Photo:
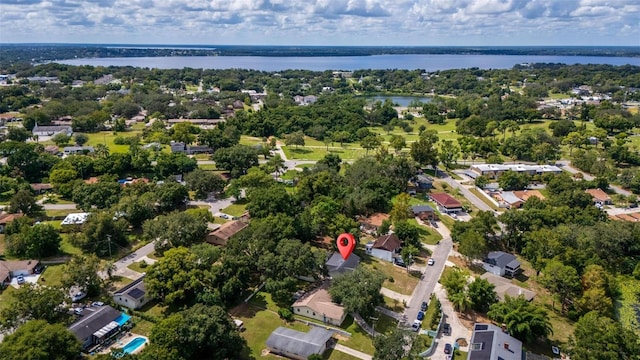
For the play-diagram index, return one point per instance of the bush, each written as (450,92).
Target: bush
(285,314)
(391,279)
(143,264)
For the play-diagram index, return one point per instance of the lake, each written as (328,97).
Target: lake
(430,62)
(402,101)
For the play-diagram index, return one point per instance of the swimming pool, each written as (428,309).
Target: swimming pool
(133,345)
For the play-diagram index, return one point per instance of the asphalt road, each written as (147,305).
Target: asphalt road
(429,279)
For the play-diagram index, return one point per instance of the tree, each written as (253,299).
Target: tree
(408,253)
(511,180)
(358,291)
(398,142)
(599,337)
(24,202)
(562,280)
(175,229)
(18,134)
(62,180)
(275,165)
(424,151)
(34,242)
(401,210)
(454,280)
(168,164)
(460,301)
(574,139)
(331,161)
(408,233)
(449,153)
(104,233)
(390,346)
(102,195)
(177,278)
(184,132)
(37,340)
(80,139)
(61,139)
(82,272)
(204,183)
(136,209)
(524,320)
(270,201)
(32,302)
(472,245)
(296,138)
(200,332)
(236,159)
(482,294)
(370,142)
(171,196)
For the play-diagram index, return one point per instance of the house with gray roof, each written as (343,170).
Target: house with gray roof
(490,342)
(424,212)
(133,295)
(77,150)
(51,130)
(501,263)
(336,265)
(97,324)
(299,345)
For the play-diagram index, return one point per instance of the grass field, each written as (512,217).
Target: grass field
(61,212)
(137,267)
(52,275)
(236,209)
(403,282)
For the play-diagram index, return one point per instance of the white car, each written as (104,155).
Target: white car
(416,325)
(431,262)
(78,296)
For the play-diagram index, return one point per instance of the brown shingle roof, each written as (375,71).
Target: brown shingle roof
(387,242)
(7,218)
(226,231)
(41,186)
(598,194)
(527,194)
(445,200)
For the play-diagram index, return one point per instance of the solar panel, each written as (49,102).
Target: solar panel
(136,293)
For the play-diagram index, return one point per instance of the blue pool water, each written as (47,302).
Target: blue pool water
(133,345)
(122,319)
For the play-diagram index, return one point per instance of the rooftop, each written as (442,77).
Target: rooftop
(489,342)
(135,289)
(445,200)
(7,218)
(291,341)
(598,194)
(336,264)
(517,167)
(228,229)
(92,320)
(319,300)
(75,219)
(505,287)
(388,242)
(421,208)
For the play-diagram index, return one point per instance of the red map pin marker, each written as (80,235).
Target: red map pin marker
(346,243)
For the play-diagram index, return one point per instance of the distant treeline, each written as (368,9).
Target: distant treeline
(46,52)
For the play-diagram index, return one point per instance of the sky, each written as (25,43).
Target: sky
(323,22)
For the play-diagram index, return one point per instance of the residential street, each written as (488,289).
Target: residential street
(566,166)
(430,277)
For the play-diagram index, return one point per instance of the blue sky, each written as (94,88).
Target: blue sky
(323,22)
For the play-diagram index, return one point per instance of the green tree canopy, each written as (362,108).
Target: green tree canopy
(175,229)
(524,320)
(358,291)
(37,340)
(32,302)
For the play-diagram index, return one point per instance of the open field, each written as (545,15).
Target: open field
(403,282)
(236,209)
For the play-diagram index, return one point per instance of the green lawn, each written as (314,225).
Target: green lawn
(385,324)
(332,354)
(403,282)
(52,275)
(107,138)
(393,304)
(250,140)
(66,247)
(2,244)
(4,296)
(236,209)
(359,339)
(484,199)
(137,267)
(317,153)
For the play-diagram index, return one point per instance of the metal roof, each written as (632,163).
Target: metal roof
(289,341)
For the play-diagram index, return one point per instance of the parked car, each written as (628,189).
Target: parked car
(416,325)
(78,296)
(446,329)
(420,315)
(431,262)
(448,348)
(97,303)
(424,305)
(454,216)
(399,262)
(20,279)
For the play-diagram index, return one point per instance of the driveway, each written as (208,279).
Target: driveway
(457,329)
(121,265)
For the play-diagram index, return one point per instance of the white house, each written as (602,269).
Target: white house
(77,150)
(501,263)
(51,130)
(491,342)
(75,219)
(385,247)
(134,295)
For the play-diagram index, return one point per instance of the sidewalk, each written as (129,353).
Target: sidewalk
(352,352)
(395,295)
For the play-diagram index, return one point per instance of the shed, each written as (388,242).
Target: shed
(299,345)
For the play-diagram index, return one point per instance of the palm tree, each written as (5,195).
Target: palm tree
(460,301)
(102,150)
(522,319)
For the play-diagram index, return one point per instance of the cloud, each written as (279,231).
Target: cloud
(326,22)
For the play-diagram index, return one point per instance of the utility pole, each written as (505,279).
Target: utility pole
(109,240)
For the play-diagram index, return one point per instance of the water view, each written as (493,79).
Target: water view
(321,63)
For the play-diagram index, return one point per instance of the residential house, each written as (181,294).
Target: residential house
(41,188)
(13,268)
(446,203)
(599,196)
(298,345)
(336,265)
(424,212)
(133,295)
(490,342)
(508,199)
(6,219)
(631,217)
(423,182)
(77,150)
(504,287)
(52,149)
(501,263)
(51,130)
(75,219)
(317,304)
(221,235)
(98,324)
(180,147)
(385,247)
